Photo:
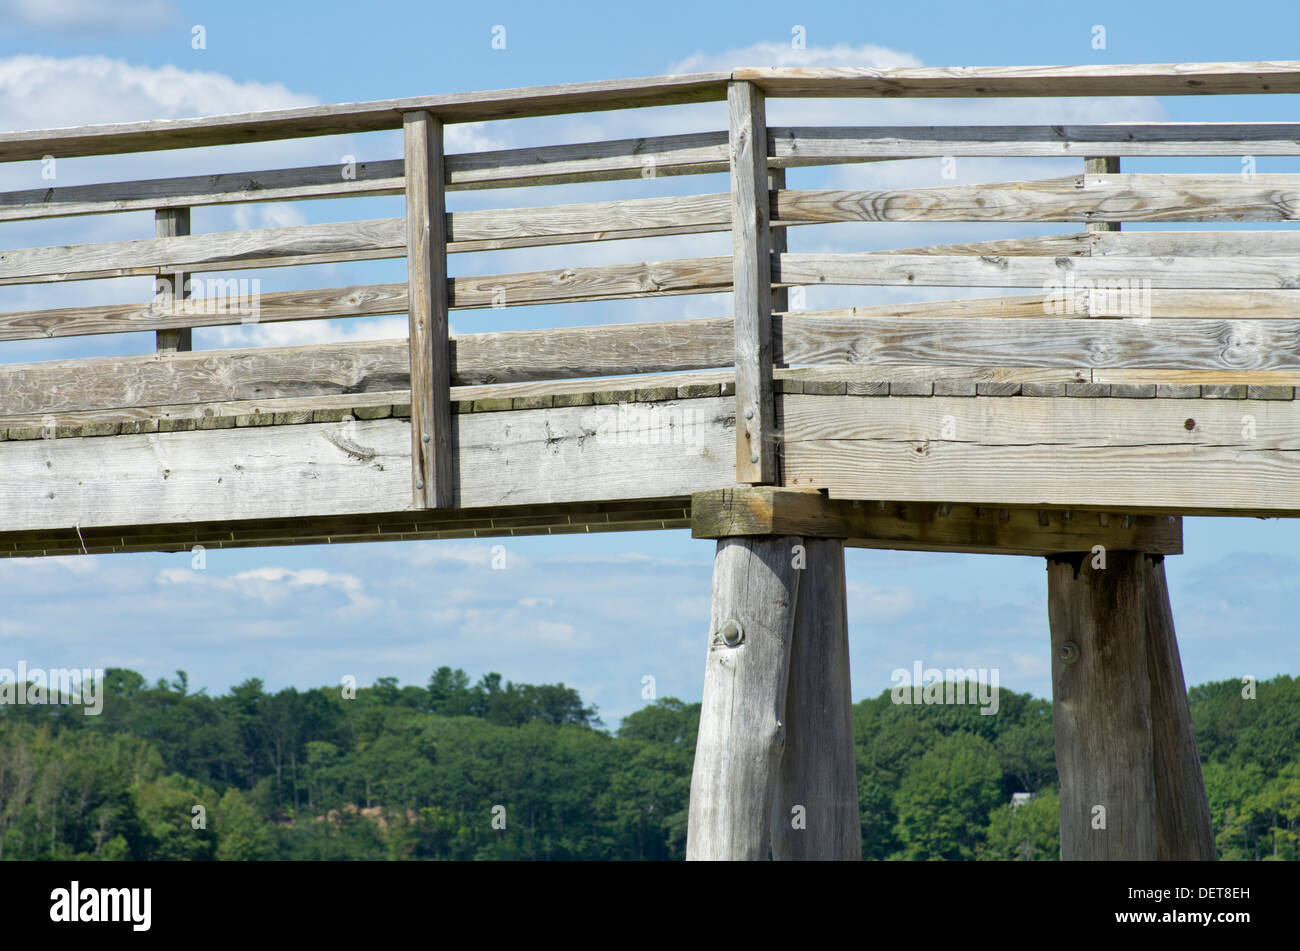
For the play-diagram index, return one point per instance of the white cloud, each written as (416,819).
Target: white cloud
(42,92)
(272,584)
(783,54)
(70,16)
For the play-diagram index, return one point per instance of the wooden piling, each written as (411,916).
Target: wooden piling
(1101,705)
(815,812)
(742,723)
(1184,831)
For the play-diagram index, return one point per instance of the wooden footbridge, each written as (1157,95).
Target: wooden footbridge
(1141,376)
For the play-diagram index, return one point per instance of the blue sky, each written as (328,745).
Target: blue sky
(599,612)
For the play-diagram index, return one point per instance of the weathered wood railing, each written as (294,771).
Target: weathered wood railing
(1152,374)
(1226,301)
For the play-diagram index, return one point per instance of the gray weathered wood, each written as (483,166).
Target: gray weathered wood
(171,223)
(1118,454)
(1089,197)
(1101,707)
(742,720)
(1157,79)
(363,301)
(426,276)
(344,118)
(468,231)
(815,812)
(693,153)
(267,247)
(780,295)
(1093,168)
(752,286)
(1184,831)
(917,526)
(865,143)
(1247,273)
(525,457)
(1198,344)
(281,184)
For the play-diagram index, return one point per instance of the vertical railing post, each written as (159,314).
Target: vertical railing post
(751,238)
(173,223)
(426,281)
(1102,166)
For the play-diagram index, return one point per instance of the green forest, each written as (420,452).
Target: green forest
(486,770)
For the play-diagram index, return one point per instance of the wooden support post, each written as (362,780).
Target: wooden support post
(1124,738)
(742,723)
(1184,831)
(172,223)
(1102,166)
(1101,705)
(751,239)
(426,268)
(815,811)
(780,295)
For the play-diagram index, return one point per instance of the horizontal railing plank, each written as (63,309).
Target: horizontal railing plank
(378,299)
(362,301)
(1248,273)
(1159,79)
(345,118)
(866,143)
(1176,344)
(1174,456)
(269,373)
(660,156)
(288,184)
(554,455)
(853,339)
(226,250)
(1076,198)
(386,237)
(711,275)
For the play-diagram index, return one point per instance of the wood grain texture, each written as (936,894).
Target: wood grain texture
(742,721)
(283,184)
(1247,273)
(1089,197)
(756,450)
(669,155)
(343,118)
(1095,169)
(432,479)
(204,376)
(815,813)
(1200,344)
(468,231)
(577,454)
(863,143)
(1121,454)
(1160,79)
(363,301)
(1101,707)
(914,526)
(711,275)
(170,223)
(1184,831)
(265,247)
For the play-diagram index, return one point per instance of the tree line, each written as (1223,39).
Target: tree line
(486,770)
